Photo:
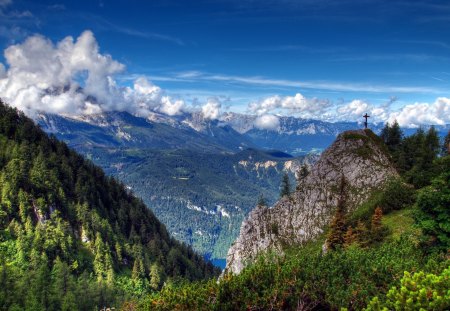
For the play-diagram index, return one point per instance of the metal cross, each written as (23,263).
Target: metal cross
(365,116)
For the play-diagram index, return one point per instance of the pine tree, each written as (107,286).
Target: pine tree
(376,229)
(138,269)
(103,265)
(262,201)
(431,146)
(285,186)
(338,225)
(302,173)
(446,145)
(156,276)
(361,234)
(350,237)
(392,135)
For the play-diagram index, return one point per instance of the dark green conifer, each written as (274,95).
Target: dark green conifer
(285,186)
(446,145)
(338,226)
(262,201)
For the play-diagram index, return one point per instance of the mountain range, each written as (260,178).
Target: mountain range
(179,165)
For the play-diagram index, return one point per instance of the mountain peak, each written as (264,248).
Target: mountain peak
(358,156)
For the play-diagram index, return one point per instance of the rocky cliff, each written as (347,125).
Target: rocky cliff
(359,156)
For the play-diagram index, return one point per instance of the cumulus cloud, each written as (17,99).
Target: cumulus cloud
(297,104)
(414,115)
(267,122)
(39,72)
(73,77)
(145,97)
(355,109)
(211,109)
(2,71)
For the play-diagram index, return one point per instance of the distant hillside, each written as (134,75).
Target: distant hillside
(200,183)
(201,197)
(62,217)
(179,164)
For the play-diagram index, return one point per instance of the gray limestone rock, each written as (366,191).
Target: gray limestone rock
(357,155)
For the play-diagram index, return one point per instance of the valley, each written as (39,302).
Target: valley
(200,177)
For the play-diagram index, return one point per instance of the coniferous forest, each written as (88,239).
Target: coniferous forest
(72,238)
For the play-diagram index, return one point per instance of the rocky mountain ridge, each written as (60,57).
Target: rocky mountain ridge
(358,156)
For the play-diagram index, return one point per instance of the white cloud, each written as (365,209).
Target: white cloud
(39,71)
(2,71)
(298,104)
(171,107)
(267,122)
(316,85)
(354,110)
(414,115)
(73,77)
(211,109)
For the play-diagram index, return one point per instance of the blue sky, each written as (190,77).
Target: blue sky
(384,54)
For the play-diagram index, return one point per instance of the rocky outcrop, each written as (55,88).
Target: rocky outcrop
(359,156)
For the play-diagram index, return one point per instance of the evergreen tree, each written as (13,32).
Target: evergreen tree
(361,234)
(350,237)
(431,146)
(392,136)
(302,173)
(156,276)
(376,229)
(338,225)
(446,145)
(262,201)
(285,186)
(103,264)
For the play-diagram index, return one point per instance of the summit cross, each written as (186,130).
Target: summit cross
(365,123)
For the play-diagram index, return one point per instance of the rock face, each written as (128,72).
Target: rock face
(358,155)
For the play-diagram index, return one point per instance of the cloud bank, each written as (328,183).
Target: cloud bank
(297,104)
(414,115)
(73,77)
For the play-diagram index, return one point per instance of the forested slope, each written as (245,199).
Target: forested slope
(67,230)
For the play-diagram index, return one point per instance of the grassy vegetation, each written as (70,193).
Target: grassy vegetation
(401,223)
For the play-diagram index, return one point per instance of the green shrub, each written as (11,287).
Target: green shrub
(433,215)
(418,291)
(396,195)
(303,276)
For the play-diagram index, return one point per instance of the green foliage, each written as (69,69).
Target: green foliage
(66,228)
(392,136)
(338,226)
(396,195)
(285,186)
(433,215)
(303,277)
(377,230)
(418,291)
(446,145)
(262,201)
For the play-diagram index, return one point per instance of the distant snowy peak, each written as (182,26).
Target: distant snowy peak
(241,123)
